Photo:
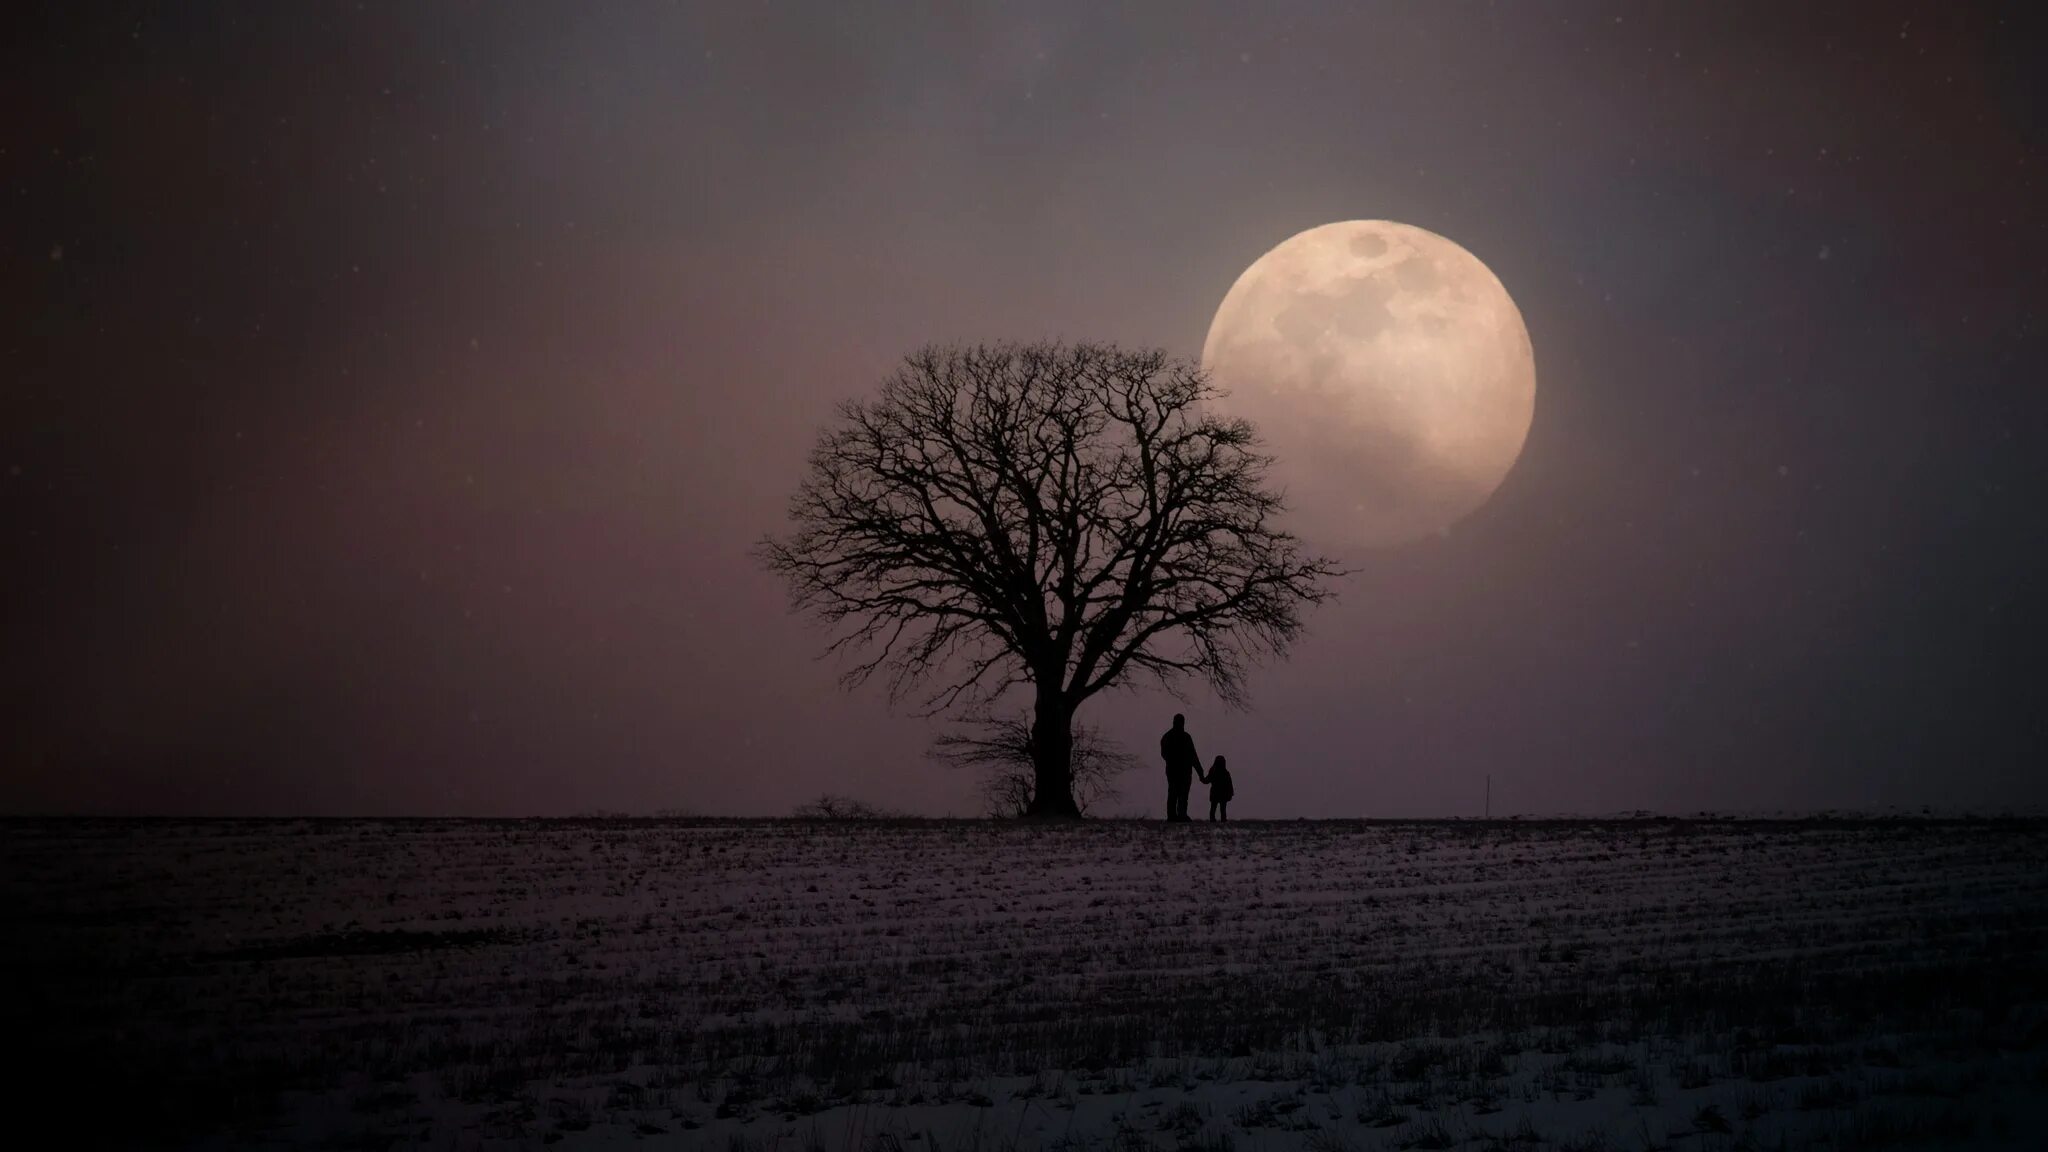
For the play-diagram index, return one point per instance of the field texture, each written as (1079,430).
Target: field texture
(943,985)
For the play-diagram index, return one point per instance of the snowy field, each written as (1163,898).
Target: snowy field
(959,985)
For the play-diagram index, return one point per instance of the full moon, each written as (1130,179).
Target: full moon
(1388,373)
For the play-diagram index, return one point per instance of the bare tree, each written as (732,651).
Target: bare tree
(1001,750)
(1053,517)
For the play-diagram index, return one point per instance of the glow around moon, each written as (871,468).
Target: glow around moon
(1387,370)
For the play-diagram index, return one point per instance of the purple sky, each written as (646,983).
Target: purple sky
(392,392)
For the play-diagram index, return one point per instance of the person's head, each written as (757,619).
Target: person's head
(1217,766)
(1179,721)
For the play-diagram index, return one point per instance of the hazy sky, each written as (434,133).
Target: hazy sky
(392,391)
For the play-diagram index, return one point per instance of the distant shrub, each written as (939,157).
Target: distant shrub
(831,807)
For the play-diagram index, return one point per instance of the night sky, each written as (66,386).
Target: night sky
(392,392)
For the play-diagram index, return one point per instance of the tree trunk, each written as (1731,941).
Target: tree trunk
(1052,753)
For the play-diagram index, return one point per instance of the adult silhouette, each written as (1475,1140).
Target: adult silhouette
(1177,748)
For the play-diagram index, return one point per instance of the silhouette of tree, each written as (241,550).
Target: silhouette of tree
(1053,517)
(1002,751)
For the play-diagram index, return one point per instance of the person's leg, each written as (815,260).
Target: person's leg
(1212,811)
(1225,806)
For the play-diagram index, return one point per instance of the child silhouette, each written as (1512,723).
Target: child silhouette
(1220,790)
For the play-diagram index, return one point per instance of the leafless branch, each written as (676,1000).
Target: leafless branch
(1001,750)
